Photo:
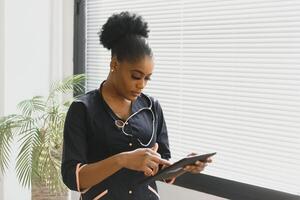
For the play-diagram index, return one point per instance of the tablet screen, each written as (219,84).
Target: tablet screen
(177,166)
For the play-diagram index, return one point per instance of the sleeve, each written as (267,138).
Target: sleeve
(74,156)
(162,138)
(162,133)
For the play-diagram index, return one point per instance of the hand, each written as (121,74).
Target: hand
(198,166)
(146,160)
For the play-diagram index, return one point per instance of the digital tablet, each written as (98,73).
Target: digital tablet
(176,167)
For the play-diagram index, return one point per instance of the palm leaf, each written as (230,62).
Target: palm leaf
(39,130)
(49,170)
(5,143)
(48,162)
(28,107)
(7,126)
(70,84)
(29,141)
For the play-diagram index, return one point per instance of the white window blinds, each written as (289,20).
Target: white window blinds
(227,74)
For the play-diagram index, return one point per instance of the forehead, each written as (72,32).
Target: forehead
(144,65)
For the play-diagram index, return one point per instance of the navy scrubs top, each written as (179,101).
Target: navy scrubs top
(91,135)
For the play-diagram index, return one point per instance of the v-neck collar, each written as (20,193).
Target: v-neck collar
(135,106)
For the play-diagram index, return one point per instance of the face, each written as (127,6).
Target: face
(131,78)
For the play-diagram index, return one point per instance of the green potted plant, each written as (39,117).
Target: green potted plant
(38,128)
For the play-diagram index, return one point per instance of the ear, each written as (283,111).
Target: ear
(113,64)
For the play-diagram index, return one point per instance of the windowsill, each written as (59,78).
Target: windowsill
(230,189)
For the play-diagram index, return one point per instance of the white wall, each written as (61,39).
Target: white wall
(37,49)
(26,68)
(2,56)
(1,73)
(167,191)
(68,28)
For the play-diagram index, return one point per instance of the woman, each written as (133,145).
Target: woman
(116,136)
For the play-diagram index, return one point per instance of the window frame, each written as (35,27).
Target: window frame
(200,182)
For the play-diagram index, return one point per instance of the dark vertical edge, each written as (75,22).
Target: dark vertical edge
(79,38)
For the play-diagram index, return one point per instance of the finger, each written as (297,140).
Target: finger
(155,147)
(199,163)
(164,166)
(193,169)
(161,161)
(154,171)
(191,154)
(187,168)
(208,160)
(147,171)
(155,158)
(154,167)
(152,152)
(197,169)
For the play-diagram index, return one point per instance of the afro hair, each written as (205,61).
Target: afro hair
(122,25)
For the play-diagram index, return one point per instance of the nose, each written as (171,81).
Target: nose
(141,84)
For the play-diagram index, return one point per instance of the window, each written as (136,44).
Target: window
(227,74)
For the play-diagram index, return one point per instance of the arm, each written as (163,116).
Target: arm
(143,159)
(77,174)
(91,174)
(163,140)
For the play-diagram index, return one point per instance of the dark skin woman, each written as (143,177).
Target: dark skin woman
(131,67)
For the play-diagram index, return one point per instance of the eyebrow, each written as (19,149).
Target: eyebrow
(136,70)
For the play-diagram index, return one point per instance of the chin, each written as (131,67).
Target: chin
(133,97)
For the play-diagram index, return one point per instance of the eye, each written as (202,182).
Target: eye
(136,77)
(148,78)
(140,76)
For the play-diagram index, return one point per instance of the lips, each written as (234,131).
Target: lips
(136,93)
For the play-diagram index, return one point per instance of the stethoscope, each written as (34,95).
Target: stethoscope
(121,124)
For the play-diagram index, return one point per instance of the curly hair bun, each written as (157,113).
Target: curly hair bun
(121,25)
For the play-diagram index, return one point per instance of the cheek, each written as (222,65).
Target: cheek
(132,85)
(127,83)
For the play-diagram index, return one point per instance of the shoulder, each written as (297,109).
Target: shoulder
(87,98)
(86,102)
(154,102)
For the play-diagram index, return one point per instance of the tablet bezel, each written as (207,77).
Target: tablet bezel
(175,167)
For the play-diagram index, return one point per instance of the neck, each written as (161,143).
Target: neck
(110,91)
